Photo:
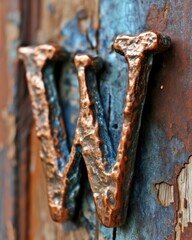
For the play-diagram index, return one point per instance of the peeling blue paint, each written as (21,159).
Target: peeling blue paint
(144,207)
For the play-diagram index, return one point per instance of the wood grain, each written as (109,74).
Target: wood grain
(9,32)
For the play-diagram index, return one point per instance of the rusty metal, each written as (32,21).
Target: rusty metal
(109,173)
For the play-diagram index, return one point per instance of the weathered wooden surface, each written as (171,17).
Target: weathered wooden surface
(160,206)
(165,137)
(9,41)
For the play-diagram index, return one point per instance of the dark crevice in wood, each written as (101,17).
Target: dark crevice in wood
(22,141)
(114,233)
(29,25)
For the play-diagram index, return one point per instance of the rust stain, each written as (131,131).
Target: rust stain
(170,238)
(187,233)
(110,178)
(157,18)
(175,77)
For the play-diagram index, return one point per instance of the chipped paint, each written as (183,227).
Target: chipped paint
(165,193)
(184,212)
(182,190)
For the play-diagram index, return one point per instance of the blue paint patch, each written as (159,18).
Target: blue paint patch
(74,40)
(122,18)
(150,168)
(51,8)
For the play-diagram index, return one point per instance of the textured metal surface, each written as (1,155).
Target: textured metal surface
(48,128)
(109,173)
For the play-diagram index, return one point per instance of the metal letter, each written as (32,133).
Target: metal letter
(109,173)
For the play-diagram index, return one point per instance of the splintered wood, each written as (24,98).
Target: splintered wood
(184,213)
(165,193)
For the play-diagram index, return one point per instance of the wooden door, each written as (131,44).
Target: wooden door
(161,195)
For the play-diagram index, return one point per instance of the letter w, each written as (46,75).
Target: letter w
(109,172)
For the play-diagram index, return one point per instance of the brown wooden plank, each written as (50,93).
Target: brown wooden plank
(9,32)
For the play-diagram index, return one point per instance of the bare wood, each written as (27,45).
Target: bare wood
(165,193)
(184,213)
